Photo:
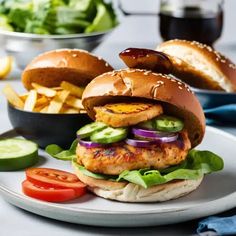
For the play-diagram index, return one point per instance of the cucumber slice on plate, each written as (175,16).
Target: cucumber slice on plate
(17,154)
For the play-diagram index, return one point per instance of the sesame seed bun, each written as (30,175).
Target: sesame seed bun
(73,65)
(200,65)
(133,85)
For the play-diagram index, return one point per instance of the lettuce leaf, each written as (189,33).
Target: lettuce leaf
(58,153)
(103,19)
(91,174)
(195,166)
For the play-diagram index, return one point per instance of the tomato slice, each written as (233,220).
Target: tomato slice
(47,177)
(48,194)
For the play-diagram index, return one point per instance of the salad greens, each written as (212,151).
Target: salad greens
(195,166)
(56,16)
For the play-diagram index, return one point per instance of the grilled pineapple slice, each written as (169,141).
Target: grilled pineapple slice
(126,114)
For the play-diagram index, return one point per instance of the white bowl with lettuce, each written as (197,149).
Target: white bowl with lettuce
(29,27)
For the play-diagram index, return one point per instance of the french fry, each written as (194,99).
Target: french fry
(39,108)
(31,100)
(82,111)
(74,90)
(57,102)
(42,101)
(69,110)
(57,88)
(48,92)
(24,96)
(74,102)
(44,110)
(13,97)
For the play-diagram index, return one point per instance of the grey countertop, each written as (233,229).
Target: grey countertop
(135,31)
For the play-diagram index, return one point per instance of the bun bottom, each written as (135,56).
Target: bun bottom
(129,192)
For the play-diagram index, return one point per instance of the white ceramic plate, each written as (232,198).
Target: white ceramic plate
(217,193)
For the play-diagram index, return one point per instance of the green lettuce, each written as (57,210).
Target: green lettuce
(57,16)
(58,153)
(91,174)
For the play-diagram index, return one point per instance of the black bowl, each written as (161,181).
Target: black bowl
(211,99)
(45,129)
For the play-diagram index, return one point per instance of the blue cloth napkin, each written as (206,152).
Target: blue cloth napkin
(221,225)
(222,114)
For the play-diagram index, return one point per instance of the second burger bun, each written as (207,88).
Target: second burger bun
(129,192)
(200,65)
(72,65)
(141,85)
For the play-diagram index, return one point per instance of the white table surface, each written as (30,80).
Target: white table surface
(133,32)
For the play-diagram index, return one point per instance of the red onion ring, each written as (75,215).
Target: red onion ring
(155,135)
(90,144)
(140,143)
(147,143)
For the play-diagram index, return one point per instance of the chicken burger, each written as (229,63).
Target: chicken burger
(140,147)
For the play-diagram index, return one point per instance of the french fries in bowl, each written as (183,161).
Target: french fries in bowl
(51,111)
(57,100)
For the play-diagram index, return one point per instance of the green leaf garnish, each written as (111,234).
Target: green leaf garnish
(58,153)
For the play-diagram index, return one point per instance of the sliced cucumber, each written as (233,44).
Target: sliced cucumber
(87,130)
(109,135)
(17,154)
(168,124)
(147,124)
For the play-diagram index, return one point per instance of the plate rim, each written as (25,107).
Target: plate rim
(55,206)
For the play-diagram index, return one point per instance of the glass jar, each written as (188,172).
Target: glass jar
(200,20)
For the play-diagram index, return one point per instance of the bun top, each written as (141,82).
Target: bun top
(133,84)
(200,65)
(73,65)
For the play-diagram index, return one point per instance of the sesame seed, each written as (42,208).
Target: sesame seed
(156,74)
(107,65)
(180,87)
(74,55)
(233,66)
(209,49)
(160,82)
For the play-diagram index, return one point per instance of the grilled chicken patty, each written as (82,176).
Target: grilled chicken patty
(126,114)
(114,159)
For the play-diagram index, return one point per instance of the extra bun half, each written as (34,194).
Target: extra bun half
(73,65)
(129,192)
(199,65)
(133,84)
